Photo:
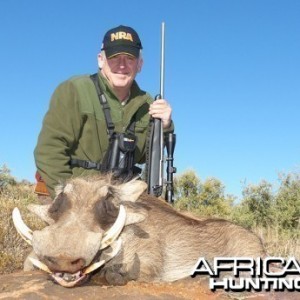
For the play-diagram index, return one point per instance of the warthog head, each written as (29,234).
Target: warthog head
(84,222)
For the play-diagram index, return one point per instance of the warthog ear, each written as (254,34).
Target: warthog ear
(41,211)
(134,214)
(132,190)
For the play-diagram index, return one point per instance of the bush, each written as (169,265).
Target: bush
(202,198)
(5,177)
(273,215)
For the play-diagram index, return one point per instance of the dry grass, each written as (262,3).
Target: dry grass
(280,243)
(13,249)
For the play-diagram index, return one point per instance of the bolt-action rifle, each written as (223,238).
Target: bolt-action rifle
(155,151)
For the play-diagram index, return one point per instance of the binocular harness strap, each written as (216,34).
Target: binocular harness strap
(85,164)
(106,109)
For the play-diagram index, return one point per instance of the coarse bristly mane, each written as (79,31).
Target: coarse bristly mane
(108,179)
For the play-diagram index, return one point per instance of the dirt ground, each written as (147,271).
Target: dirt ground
(36,285)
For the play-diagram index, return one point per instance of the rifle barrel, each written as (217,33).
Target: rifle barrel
(162,94)
(162,62)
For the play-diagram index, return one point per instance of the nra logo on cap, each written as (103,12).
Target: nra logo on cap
(121,35)
(122,39)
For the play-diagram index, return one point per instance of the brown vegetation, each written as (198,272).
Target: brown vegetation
(13,249)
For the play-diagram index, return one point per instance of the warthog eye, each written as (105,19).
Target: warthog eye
(105,212)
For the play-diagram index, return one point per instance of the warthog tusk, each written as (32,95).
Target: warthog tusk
(112,234)
(21,227)
(39,265)
(116,246)
(93,267)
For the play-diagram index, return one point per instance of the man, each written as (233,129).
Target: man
(74,136)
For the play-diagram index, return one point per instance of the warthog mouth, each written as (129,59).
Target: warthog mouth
(70,280)
(110,238)
(63,279)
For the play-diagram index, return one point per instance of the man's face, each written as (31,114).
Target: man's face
(120,70)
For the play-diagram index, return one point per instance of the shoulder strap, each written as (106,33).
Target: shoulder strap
(131,127)
(105,106)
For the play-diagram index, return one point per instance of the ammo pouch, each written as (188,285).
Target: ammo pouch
(119,157)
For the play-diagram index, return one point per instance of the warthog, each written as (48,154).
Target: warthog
(126,233)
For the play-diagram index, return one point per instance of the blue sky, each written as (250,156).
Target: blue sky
(232,77)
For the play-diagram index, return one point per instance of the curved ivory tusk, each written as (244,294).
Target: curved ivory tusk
(39,265)
(93,267)
(116,246)
(21,227)
(112,234)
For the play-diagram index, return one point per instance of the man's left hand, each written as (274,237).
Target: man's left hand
(161,109)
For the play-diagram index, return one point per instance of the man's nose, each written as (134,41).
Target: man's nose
(122,62)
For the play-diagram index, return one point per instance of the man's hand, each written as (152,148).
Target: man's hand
(161,109)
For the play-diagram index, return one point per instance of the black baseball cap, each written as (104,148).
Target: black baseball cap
(121,39)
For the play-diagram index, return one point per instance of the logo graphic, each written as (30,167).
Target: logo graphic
(121,35)
(249,274)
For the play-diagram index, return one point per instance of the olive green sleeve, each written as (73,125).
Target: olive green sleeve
(59,133)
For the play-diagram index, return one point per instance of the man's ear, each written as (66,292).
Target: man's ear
(100,60)
(140,64)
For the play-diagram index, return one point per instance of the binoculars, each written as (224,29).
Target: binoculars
(119,157)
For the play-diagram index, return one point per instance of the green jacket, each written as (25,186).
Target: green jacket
(74,128)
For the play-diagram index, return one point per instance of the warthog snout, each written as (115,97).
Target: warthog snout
(63,264)
(66,252)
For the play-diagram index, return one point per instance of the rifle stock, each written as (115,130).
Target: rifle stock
(155,161)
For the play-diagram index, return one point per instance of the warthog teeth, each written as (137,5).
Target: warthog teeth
(112,234)
(40,265)
(21,227)
(93,267)
(68,284)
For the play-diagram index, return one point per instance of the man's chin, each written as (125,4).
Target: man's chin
(122,83)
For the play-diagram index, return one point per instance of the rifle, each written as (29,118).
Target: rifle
(155,151)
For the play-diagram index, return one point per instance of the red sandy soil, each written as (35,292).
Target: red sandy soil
(36,285)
